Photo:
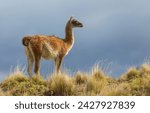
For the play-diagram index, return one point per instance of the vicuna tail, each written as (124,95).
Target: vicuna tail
(26,40)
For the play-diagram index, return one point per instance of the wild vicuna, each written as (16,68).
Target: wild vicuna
(49,47)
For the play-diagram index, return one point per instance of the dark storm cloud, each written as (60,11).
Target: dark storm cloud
(115,30)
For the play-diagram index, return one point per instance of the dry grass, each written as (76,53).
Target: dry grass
(60,85)
(1,93)
(80,78)
(96,82)
(18,84)
(116,89)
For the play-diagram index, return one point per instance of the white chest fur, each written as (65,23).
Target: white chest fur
(48,52)
(70,47)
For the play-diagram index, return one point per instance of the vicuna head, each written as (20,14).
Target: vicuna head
(75,23)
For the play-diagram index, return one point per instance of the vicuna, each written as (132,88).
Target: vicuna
(49,47)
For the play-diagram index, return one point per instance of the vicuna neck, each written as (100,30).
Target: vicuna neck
(69,38)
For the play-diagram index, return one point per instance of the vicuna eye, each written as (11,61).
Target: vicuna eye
(76,22)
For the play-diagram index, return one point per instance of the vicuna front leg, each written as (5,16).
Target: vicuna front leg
(30,60)
(58,62)
(37,65)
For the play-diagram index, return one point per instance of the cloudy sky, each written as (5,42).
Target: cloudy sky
(115,32)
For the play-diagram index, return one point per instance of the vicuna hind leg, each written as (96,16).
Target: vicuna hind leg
(30,60)
(58,62)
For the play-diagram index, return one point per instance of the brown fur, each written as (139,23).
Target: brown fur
(49,47)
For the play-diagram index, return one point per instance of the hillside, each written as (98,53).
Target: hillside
(96,82)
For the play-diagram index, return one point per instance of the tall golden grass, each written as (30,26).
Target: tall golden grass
(96,82)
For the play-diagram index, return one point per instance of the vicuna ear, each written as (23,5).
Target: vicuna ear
(71,18)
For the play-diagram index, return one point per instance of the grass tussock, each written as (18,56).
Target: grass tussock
(80,78)
(60,84)
(136,81)
(97,80)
